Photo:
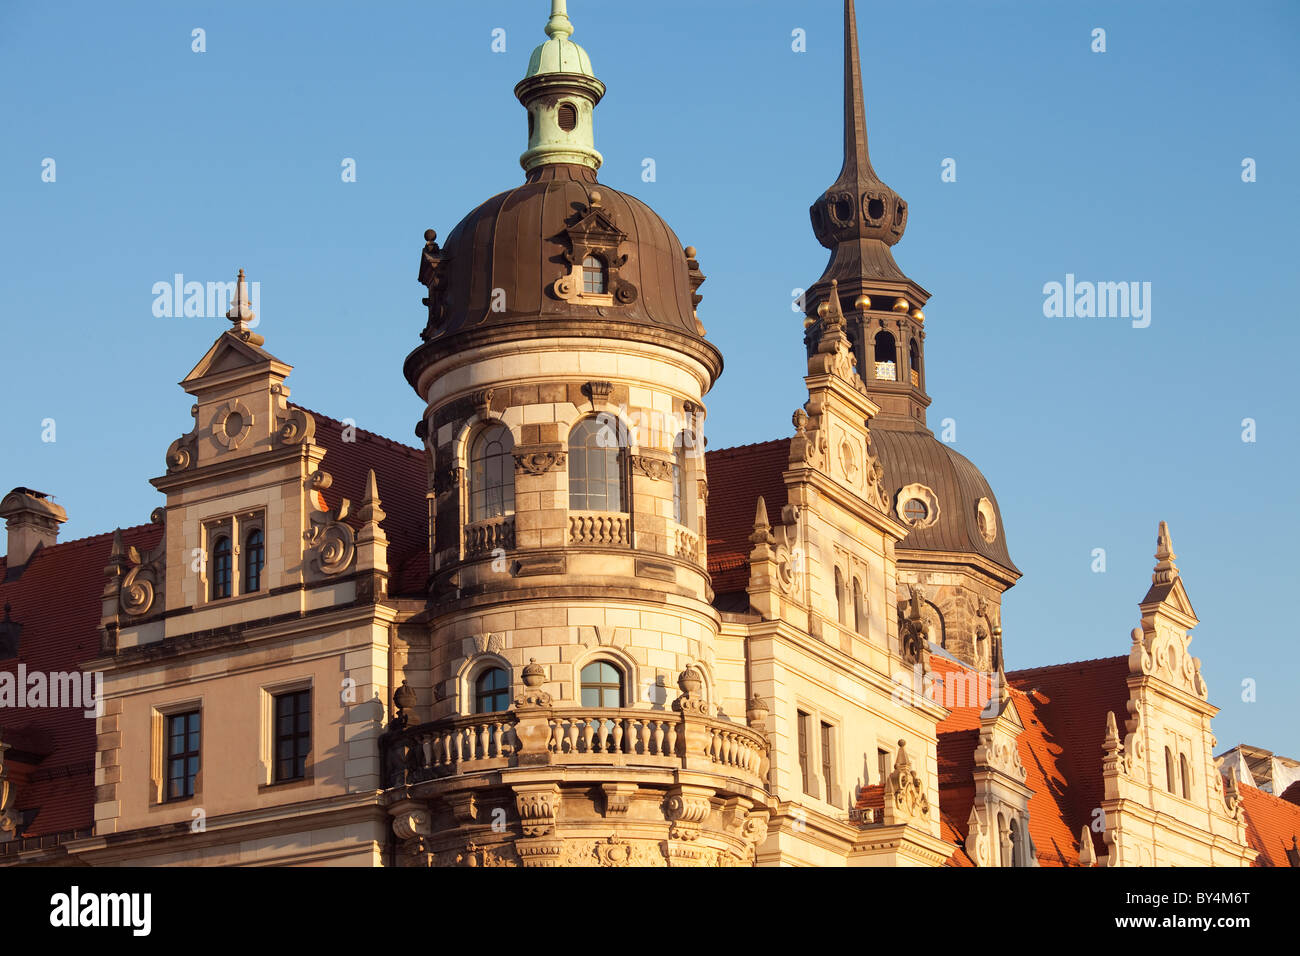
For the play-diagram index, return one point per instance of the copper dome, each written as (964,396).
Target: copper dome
(916,457)
(505,266)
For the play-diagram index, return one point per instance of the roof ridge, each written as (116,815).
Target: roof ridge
(1066,665)
(736,448)
(87,539)
(412,450)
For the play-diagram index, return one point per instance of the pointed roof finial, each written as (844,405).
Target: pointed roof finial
(762,533)
(370,510)
(857,160)
(1166,572)
(559,25)
(241,309)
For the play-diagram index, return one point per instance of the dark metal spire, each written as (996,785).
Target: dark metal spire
(858,207)
(857,159)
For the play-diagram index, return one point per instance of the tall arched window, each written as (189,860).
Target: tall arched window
(602,685)
(596,466)
(859,611)
(886,357)
(221,567)
(1017,850)
(839,595)
(594,277)
(254,559)
(491,474)
(1169,769)
(679,479)
(914,363)
(491,691)
(1004,842)
(1185,775)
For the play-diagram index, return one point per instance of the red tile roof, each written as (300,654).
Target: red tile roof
(56,599)
(1272,826)
(737,477)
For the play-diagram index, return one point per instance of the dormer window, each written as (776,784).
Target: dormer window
(595,279)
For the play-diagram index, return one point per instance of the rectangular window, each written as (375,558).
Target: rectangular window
(182,754)
(292,735)
(828,776)
(882,759)
(804,757)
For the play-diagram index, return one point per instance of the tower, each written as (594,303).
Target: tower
(956,552)
(564,677)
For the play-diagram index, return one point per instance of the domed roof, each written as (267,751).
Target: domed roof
(916,458)
(512,262)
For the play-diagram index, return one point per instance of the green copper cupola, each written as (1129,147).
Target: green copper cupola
(560,92)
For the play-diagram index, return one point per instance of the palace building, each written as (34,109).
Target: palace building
(558,632)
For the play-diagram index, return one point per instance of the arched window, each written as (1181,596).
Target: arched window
(839,595)
(602,685)
(914,363)
(594,277)
(221,567)
(491,691)
(1169,769)
(679,479)
(254,559)
(1017,850)
(1004,842)
(859,612)
(886,357)
(1185,774)
(596,466)
(491,474)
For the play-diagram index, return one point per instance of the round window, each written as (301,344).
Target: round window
(916,510)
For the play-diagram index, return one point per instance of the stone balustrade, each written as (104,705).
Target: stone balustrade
(609,528)
(688,545)
(484,537)
(574,736)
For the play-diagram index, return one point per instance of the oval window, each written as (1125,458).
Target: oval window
(568,117)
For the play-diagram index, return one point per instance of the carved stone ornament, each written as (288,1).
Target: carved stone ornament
(913,629)
(598,392)
(537,807)
(331,544)
(905,798)
(539,463)
(692,699)
(140,576)
(294,425)
(986,519)
(433,277)
(8,817)
(686,808)
(183,452)
(926,496)
(656,469)
(232,424)
(534,675)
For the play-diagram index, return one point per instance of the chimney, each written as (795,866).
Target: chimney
(32,521)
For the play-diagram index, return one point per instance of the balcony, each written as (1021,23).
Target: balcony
(887,371)
(607,528)
(492,534)
(537,736)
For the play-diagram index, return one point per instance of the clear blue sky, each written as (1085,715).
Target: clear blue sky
(1122,166)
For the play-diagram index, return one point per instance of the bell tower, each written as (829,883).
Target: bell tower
(859,219)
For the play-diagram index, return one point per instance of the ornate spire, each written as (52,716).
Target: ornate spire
(560,92)
(241,312)
(1166,572)
(858,217)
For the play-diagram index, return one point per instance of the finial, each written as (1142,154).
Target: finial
(762,533)
(370,511)
(241,310)
(903,762)
(1166,572)
(559,26)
